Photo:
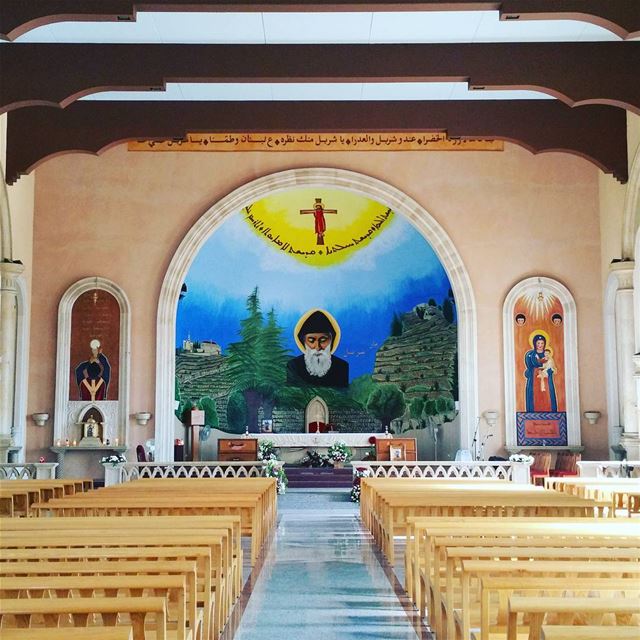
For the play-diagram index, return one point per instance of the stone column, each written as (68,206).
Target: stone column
(625,343)
(9,271)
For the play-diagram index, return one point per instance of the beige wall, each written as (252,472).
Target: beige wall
(511,215)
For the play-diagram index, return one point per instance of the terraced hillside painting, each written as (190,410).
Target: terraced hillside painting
(315,294)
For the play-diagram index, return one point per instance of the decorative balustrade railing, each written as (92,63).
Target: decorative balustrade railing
(609,468)
(214,469)
(514,471)
(28,470)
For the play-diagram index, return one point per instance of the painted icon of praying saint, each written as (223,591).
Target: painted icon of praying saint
(93,375)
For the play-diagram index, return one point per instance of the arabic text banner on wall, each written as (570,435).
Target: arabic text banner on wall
(316,142)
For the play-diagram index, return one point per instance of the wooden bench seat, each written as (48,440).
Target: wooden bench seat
(172,588)
(215,582)
(584,632)
(122,632)
(536,608)
(20,612)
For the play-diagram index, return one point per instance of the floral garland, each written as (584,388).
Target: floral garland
(275,469)
(359,473)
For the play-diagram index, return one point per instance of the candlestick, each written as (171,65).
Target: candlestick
(66,442)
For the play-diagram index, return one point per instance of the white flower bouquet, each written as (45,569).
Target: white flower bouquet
(339,452)
(114,459)
(521,457)
(267,450)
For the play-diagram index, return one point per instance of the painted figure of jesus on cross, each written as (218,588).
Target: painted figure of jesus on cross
(320,223)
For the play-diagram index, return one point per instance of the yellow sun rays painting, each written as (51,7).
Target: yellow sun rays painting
(317,227)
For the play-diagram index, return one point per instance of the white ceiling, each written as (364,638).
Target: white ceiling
(318,28)
(315,28)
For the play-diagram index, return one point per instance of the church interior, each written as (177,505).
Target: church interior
(367,270)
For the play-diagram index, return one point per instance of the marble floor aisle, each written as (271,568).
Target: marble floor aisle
(322,579)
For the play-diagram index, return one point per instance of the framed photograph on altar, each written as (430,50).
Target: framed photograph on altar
(396,453)
(266,426)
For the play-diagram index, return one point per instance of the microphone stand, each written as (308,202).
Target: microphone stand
(475,440)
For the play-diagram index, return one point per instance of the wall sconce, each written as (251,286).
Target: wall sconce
(491,418)
(142,417)
(592,416)
(40,418)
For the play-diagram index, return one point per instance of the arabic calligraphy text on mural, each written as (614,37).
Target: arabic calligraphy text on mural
(316,142)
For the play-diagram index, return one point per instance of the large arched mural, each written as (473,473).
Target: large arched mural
(317,293)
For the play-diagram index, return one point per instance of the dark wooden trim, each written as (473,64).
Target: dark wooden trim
(576,73)
(622,17)
(595,132)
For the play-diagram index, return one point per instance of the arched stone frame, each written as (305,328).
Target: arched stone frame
(571,357)
(61,414)
(631,216)
(311,414)
(317,177)
(22,370)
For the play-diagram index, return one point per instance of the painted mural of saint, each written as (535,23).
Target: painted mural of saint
(540,371)
(93,375)
(317,334)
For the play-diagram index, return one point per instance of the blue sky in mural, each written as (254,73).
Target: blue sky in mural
(392,274)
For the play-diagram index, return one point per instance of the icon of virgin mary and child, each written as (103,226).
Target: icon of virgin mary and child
(540,372)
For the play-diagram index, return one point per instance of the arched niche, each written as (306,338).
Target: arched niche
(542,405)
(317,177)
(317,411)
(71,403)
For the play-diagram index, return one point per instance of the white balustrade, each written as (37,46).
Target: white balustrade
(214,469)
(28,470)
(514,471)
(609,468)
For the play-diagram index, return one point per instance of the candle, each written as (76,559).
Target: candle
(74,443)
(66,442)
(58,443)
(117,441)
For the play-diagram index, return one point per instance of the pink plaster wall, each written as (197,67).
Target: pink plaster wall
(511,215)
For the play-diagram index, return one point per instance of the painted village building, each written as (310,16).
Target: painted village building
(462,279)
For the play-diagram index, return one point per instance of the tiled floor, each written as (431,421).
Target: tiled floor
(322,579)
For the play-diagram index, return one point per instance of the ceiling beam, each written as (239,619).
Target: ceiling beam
(597,133)
(622,17)
(576,73)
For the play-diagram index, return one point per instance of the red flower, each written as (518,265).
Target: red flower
(372,440)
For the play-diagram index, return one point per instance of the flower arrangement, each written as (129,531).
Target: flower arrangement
(359,473)
(521,457)
(114,459)
(275,469)
(339,452)
(315,459)
(267,450)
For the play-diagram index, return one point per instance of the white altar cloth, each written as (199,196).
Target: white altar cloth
(304,440)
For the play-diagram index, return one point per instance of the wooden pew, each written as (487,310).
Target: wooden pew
(170,587)
(431,536)
(23,610)
(71,633)
(154,523)
(475,563)
(38,567)
(504,588)
(247,507)
(538,607)
(583,632)
(201,555)
(142,539)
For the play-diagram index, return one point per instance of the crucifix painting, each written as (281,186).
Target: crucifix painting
(320,223)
